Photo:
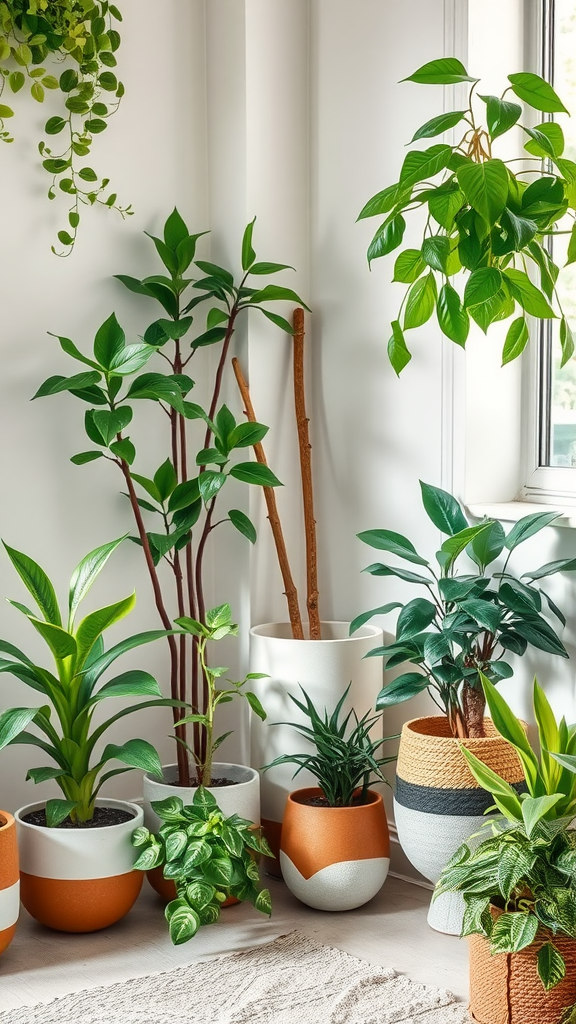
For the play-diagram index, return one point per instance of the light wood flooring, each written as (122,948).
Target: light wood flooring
(391,930)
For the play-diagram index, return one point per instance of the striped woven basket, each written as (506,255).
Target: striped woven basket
(505,987)
(438,804)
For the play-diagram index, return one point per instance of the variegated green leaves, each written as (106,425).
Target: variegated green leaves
(486,225)
(208,856)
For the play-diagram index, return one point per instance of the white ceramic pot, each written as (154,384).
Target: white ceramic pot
(79,880)
(9,883)
(324,668)
(243,798)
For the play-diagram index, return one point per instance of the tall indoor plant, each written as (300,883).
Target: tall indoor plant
(486,220)
(176,509)
(76,858)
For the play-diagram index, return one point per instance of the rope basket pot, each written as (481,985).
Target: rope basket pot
(505,987)
(438,805)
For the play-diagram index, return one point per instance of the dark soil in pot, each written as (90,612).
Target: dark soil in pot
(103,818)
(213,784)
(321,801)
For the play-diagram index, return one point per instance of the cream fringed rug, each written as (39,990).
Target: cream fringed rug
(293,980)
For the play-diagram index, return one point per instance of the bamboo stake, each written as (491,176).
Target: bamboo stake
(306,474)
(270,498)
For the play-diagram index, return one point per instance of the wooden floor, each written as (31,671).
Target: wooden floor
(391,930)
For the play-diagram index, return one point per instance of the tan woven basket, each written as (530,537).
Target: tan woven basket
(430,756)
(505,987)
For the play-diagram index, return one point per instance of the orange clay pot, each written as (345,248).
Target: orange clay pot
(505,987)
(79,880)
(334,858)
(9,882)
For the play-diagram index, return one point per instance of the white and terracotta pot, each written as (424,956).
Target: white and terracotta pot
(79,880)
(334,858)
(9,882)
(324,668)
(438,804)
(243,798)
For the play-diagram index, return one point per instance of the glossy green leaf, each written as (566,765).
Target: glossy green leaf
(398,353)
(135,754)
(487,545)
(444,71)
(421,301)
(134,683)
(366,616)
(408,266)
(551,966)
(435,251)
(485,186)
(513,932)
(276,293)
(482,285)
(184,923)
(528,526)
(97,622)
(420,165)
(248,254)
(109,342)
(87,571)
(13,722)
(402,688)
(444,203)
(501,115)
(452,317)
(438,125)
(37,583)
(517,338)
(396,543)
(58,810)
(387,238)
(254,473)
(414,618)
(566,342)
(243,524)
(444,511)
(536,92)
(547,140)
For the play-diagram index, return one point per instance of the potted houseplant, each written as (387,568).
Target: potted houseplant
(209,858)
(76,857)
(487,219)
(237,786)
(470,618)
(518,883)
(176,511)
(335,846)
(84,34)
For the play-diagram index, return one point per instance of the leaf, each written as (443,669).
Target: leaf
(444,71)
(398,353)
(485,613)
(513,932)
(444,203)
(528,295)
(402,688)
(421,301)
(485,186)
(255,705)
(444,511)
(276,293)
(566,342)
(387,540)
(560,565)
(109,342)
(500,115)
(421,164)
(482,285)
(517,338)
(408,266)
(414,618)
(134,683)
(366,616)
(58,810)
(37,583)
(254,473)
(248,254)
(551,966)
(383,202)
(136,754)
(246,435)
(269,268)
(183,924)
(536,808)
(509,727)
(56,384)
(487,545)
(97,622)
(158,388)
(243,524)
(435,251)
(377,569)
(387,238)
(546,140)
(13,722)
(536,92)
(455,545)
(452,317)
(263,902)
(504,795)
(438,125)
(83,457)
(86,572)
(175,230)
(528,526)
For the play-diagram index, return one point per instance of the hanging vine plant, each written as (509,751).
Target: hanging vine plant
(81,33)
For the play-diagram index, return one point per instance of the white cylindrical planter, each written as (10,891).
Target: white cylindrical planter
(243,798)
(81,879)
(324,668)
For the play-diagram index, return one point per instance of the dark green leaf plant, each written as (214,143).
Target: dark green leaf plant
(346,758)
(176,506)
(475,611)
(36,38)
(487,220)
(519,883)
(208,856)
(70,690)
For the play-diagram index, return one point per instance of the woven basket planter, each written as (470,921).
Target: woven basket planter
(505,987)
(438,804)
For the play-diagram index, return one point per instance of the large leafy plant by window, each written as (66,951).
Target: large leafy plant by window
(176,508)
(486,220)
(35,37)
(469,621)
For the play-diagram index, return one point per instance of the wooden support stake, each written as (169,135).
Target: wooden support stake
(270,498)
(306,473)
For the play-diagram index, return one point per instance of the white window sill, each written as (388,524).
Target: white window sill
(512,511)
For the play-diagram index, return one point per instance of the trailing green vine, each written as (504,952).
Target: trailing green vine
(81,33)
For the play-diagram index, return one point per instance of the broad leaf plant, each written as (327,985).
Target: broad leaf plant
(484,253)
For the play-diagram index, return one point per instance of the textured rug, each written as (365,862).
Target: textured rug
(293,980)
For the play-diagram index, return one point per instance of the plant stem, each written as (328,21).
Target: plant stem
(306,474)
(273,516)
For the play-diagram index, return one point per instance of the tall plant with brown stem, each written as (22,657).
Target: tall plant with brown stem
(184,495)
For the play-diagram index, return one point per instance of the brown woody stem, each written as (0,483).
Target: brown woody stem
(306,473)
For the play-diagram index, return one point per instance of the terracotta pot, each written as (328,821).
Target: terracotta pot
(324,668)
(438,804)
(9,882)
(79,880)
(243,798)
(505,987)
(334,858)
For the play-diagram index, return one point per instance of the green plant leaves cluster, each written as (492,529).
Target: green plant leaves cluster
(487,222)
(208,856)
(70,690)
(467,621)
(83,33)
(346,757)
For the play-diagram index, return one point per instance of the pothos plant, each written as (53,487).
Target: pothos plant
(175,508)
(36,34)
(469,621)
(487,220)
